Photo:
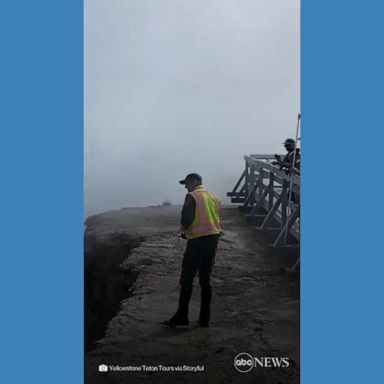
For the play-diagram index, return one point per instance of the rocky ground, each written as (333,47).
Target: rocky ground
(133,259)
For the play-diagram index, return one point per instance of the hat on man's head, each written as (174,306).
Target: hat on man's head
(289,141)
(190,177)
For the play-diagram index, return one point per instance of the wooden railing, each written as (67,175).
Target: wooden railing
(271,196)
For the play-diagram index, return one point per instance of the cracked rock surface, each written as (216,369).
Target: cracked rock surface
(255,307)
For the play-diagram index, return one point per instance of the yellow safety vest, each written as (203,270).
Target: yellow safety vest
(207,214)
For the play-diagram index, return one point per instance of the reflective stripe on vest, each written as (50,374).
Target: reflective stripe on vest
(207,219)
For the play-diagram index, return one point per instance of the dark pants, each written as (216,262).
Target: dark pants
(199,256)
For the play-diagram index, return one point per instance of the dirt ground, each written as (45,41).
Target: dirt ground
(255,306)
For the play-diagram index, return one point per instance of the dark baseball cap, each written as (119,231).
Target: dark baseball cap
(190,177)
(289,141)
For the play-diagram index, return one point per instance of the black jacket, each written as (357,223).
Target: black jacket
(188,212)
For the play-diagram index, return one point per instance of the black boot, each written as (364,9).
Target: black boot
(205,307)
(181,315)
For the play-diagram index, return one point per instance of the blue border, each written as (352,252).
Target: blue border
(41,142)
(41,193)
(342,260)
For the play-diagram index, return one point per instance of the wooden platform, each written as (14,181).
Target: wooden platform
(270,197)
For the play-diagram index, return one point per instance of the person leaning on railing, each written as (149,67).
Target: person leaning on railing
(286,163)
(291,158)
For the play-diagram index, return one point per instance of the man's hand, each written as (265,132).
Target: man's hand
(277,161)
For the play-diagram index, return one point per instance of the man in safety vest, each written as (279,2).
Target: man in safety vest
(200,222)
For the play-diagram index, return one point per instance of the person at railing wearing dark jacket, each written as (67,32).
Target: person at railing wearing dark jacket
(287,162)
(289,158)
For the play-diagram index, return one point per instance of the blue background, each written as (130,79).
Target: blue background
(342,259)
(41,191)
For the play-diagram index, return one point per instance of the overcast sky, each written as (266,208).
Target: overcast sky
(179,86)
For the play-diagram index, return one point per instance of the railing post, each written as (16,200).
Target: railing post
(271,190)
(246,177)
(284,204)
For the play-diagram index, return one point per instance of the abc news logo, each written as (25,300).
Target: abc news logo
(244,362)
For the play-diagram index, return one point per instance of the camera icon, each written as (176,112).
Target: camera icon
(103,368)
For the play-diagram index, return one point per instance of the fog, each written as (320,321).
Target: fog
(179,86)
